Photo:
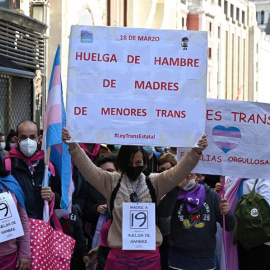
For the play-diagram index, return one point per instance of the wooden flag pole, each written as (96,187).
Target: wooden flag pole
(47,166)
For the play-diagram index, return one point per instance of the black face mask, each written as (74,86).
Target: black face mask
(134,172)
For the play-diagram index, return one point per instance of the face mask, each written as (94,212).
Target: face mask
(134,172)
(2,145)
(160,149)
(28,147)
(190,185)
(11,144)
(148,149)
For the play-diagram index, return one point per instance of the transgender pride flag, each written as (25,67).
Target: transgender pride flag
(226,138)
(55,119)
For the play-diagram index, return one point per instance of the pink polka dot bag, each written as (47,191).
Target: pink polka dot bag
(50,247)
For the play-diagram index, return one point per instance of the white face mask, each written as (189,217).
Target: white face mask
(2,145)
(28,147)
(11,144)
(190,185)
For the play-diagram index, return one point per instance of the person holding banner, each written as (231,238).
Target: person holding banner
(132,187)
(26,164)
(194,210)
(14,251)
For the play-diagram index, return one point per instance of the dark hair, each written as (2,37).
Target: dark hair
(107,158)
(11,134)
(167,157)
(126,153)
(2,134)
(211,180)
(24,122)
(111,147)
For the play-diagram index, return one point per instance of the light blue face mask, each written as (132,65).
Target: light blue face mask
(148,149)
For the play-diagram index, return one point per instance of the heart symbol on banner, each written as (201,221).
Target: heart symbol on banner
(226,138)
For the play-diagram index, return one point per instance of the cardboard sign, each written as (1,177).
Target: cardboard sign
(10,223)
(238,139)
(136,86)
(139,226)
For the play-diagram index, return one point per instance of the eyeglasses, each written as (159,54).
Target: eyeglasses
(134,197)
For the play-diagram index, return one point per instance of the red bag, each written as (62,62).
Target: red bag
(50,248)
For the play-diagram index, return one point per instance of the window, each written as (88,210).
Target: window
(209,53)
(243,17)
(218,31)
(237,14)
(232,11)
(219,3)
(183,22)
(226,7)
(262,17)
(210,27)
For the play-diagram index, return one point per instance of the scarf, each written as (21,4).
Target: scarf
(94,151)
(11,184)
(193,199)
(14,153)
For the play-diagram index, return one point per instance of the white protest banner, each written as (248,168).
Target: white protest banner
(238,139)
(139,226)
(10,223)
(136,86)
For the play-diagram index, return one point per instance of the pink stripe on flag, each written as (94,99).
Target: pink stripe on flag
(225,133)
(53,116)
(58,148)
(70,192)
(56,76)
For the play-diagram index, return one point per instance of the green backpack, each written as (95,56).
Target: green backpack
(253,220)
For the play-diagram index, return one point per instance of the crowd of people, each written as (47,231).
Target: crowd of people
(188,206)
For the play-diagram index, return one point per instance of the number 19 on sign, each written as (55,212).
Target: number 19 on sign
(139,219)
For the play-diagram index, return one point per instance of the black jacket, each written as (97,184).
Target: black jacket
(79,197)
(30,185)
(72,227)
(94,199)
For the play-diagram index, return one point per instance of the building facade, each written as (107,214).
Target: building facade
(22,65)
(263,15)
(261,50)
